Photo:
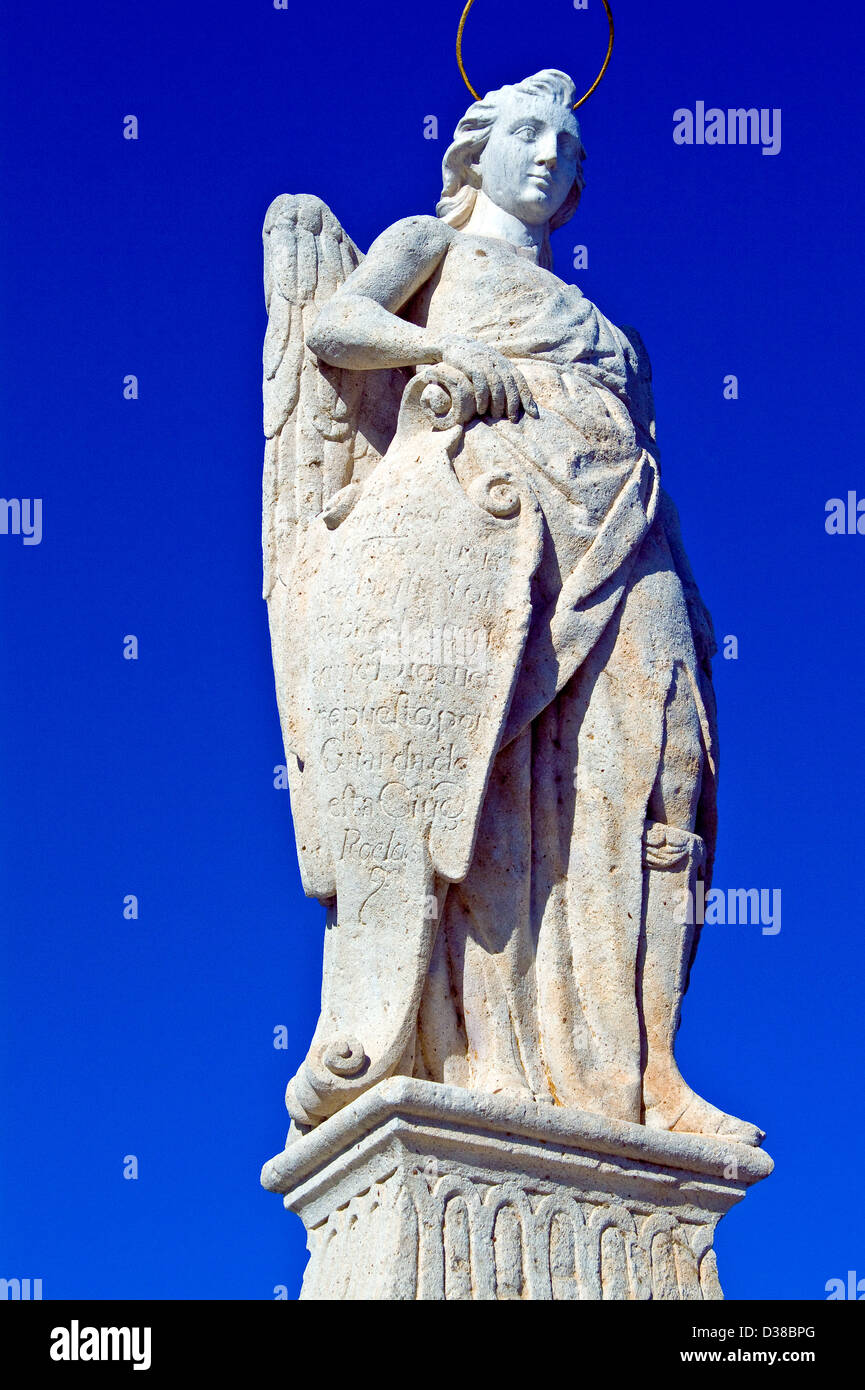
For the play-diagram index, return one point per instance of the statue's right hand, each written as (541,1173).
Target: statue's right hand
(500,388)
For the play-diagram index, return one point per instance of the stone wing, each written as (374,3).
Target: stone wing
(324,429)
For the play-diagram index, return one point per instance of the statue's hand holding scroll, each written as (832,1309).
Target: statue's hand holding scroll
(499,386)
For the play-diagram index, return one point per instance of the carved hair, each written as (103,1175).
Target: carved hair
(461,179)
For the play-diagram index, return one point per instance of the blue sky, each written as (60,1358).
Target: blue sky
(155,777)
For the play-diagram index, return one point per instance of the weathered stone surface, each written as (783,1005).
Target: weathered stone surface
(418,1191)
(492,661)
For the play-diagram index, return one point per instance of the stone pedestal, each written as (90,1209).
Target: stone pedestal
(423,1191)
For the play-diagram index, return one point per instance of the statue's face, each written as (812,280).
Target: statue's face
(530,159)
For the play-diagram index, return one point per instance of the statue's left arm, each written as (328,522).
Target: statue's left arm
(361,327)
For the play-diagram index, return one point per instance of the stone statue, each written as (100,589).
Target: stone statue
(493,665)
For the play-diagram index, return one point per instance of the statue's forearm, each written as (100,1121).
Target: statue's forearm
(354,331)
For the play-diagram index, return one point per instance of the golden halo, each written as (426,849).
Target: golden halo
(585,97)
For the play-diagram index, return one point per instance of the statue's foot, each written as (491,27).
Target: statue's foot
(684,1112)
(611,1095)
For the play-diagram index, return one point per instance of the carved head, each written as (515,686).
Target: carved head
(522,146)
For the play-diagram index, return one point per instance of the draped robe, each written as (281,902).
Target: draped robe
(533,979)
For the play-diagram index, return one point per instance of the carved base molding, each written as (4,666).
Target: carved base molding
(423,1191)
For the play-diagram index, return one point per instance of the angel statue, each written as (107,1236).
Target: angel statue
(493,665)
